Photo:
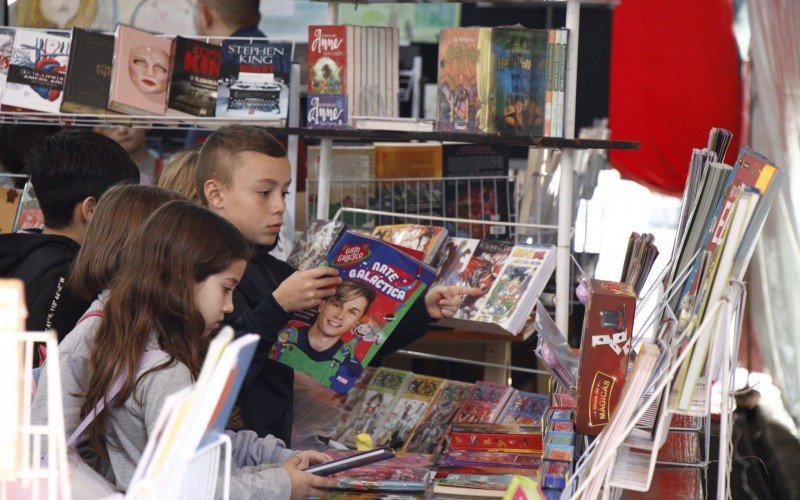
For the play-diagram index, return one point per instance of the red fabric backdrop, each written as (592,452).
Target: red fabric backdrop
(674,75)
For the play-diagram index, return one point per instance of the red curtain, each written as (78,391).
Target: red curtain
(674,75)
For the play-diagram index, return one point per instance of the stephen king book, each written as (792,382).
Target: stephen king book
(335,341)
(254,79)
(87,86)
(195,77)
(37,71)
(141,72)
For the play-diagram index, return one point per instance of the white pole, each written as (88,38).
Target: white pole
(563,280)
(289,217)
(324,183)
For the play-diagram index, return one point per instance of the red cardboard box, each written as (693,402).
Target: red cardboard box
(605,349)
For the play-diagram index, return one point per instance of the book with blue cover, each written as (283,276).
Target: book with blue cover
(334,342)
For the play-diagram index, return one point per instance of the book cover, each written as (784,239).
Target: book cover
(407,410)
(254,79)
(403,160)
(383,389)
(430,430)
(86,88)
(195,77)
(141,72)
(29,215)
(352,399)
(525,408)
(481,271)
(538,85)
(462,458)
(484,404)
(311,248)
(326,110)
(335,341)
(484,198)
(9,206)
(6,47)
(37,71)
(410,472)
(327,59)
(425,239)
(512,64)
(458,253)
(459,63)
(506,442)
(460,484)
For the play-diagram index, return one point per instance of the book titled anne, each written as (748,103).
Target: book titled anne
(335,341)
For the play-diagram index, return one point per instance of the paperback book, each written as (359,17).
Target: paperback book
(430,431)
(473,485)
(426,239)
(195,77)
(407,411)
(140,73)
(496,437)
(6,47)
(86,89)
(37,71)
(386,386)
(330,60)
(254,79)
(410,472)
(461,94)
(525,408)
(335,341)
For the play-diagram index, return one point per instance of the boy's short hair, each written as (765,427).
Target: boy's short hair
(349,290)
(239,13)
(218,154)
(74,165)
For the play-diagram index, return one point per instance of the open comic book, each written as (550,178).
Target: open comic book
(335,341)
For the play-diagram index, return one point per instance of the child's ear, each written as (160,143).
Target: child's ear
(213,191)
(87,207)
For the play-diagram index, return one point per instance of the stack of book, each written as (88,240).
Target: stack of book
(139,73)
(352,71)
(507,80)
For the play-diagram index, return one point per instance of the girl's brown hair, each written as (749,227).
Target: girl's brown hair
(29,14)
(180,172)
(179,245)
(120,212)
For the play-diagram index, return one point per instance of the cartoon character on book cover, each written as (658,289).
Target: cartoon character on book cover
(512,59)
(481,272)
(459,61)
(37,71)
(506,294)
(335,341)
(430,431)
(399,422)
(459,252)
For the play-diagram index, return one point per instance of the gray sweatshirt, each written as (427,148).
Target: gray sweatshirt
(256,471)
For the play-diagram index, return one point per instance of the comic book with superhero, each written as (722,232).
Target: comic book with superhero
(481,271)
(407,411)
(336,340)
(385,387)
(430,431)
(525,408)
(484,404)
(37,71)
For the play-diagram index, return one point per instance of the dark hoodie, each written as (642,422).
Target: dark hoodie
(267,395)
(42,262)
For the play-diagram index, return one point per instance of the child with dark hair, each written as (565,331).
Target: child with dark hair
(69,176)
(243,175)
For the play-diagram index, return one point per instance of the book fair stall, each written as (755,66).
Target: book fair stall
(460,343)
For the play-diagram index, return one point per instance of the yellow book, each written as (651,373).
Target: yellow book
(404,160)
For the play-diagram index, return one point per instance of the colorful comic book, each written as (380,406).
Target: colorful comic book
(409,472)
(524,408)
(457,256)
(430,431)
(426,239)
(484,404)
(312,247)
(37,71)
(335,341)
(407,410)
(386,386)
(481,272)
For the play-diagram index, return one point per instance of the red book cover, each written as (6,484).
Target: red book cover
(327,59)
(485,403)
(481,441)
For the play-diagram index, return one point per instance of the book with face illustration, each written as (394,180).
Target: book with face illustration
(141,72)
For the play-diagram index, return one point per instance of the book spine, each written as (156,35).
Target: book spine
(548,99)
(487,441)
(562,80)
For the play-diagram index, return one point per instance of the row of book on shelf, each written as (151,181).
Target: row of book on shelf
(139,73)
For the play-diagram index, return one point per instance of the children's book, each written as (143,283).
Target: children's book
(457,256)
(86,88)
(484,404)
(141,72)
(310,250)
(195,77)
(430,430)
(524,408)
(37,71)
(481,272)
(254,79)
(386,386)
(472,485)
(410,472)
(462,93)
(330,68)
(425,239)
(335,341)
(407,411)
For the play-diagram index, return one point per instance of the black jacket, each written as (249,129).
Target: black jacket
(42,262)
(267,395)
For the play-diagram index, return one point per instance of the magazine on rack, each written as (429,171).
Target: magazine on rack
(335,341)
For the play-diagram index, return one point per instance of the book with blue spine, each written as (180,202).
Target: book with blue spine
(512,48)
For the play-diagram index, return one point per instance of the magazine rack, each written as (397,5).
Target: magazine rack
(34,479)
(197,479)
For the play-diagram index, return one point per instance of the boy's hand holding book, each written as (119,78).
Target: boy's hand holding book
(305,484)
(306,289)
(443,301)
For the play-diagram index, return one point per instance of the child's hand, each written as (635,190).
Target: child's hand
(443,301)
(305,289)
(314,457)
(305,484)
